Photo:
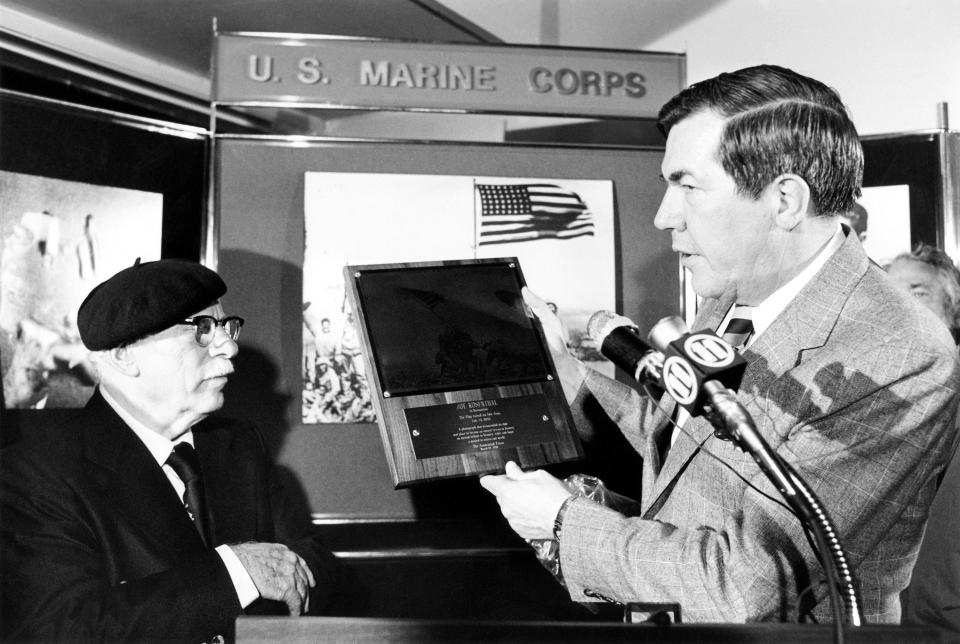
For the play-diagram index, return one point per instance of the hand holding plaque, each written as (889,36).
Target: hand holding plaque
(459,370)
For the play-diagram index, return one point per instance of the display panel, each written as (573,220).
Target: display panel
(89,187)
(260,189)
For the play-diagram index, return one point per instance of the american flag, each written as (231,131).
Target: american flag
(521,212)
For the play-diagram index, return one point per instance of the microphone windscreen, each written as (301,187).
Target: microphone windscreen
(665,331)
(602,323)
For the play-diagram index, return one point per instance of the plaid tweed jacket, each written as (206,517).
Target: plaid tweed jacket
(855,385)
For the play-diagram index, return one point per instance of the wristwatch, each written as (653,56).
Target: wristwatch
(558,520)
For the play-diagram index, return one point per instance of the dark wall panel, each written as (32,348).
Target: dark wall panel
(342,469)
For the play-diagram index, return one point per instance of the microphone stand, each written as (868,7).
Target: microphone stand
(732,422)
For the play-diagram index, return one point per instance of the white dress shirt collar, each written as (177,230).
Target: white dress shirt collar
(159,446)
(767,311)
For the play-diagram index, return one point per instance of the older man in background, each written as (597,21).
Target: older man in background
(931,276)
(933,597)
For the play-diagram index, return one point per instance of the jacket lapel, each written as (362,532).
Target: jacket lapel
(804,324)
(808,320)
(133,483)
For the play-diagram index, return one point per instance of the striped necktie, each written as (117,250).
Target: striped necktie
(740,327)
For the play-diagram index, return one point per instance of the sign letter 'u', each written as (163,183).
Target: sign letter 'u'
(260,68)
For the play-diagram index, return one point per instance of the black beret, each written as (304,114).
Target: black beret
(145,299)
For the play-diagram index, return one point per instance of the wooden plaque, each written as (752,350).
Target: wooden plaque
(459,371)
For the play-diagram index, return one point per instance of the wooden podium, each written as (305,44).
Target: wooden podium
(317,630)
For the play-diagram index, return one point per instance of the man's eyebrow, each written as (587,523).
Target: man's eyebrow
(675,176)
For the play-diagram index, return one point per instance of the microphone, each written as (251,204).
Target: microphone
(696,369)
(699,369)
(618,339)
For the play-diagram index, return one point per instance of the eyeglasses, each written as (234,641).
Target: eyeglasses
(206,326)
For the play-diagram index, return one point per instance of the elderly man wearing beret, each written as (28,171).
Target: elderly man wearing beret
(145,518)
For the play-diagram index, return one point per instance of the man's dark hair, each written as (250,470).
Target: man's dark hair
(779,122)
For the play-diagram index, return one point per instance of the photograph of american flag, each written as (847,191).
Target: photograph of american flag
(528,211)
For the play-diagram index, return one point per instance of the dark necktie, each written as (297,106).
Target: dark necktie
(740,327)
(183,459)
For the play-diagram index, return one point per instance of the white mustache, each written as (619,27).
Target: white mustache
(221,371)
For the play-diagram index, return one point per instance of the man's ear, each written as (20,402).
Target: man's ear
(792,195)
(123,360)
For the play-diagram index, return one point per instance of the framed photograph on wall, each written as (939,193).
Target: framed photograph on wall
(83,193)
(561,230)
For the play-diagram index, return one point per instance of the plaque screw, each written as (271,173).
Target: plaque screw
(386,394)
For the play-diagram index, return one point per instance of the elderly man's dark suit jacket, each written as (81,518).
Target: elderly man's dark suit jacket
(97,545)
